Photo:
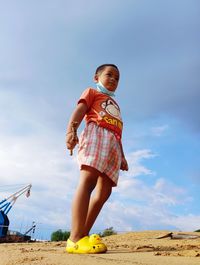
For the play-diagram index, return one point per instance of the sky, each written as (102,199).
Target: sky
(49,51)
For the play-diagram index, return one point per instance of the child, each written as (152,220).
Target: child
(100,156)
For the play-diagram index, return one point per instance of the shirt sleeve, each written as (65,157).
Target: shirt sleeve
(87,97)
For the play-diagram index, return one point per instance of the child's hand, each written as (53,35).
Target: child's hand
(71,140)
(124,164)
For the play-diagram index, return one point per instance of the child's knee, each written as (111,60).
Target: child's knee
(103,196)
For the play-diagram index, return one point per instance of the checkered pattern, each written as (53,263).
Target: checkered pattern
(99,149)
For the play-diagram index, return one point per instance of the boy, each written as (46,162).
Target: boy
(100,156)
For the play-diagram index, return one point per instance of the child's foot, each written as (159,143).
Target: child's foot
(86,245)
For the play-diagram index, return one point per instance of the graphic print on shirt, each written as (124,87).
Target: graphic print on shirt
(112,109)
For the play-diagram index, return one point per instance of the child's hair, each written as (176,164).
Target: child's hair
(103,66)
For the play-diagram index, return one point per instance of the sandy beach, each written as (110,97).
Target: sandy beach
(139,248)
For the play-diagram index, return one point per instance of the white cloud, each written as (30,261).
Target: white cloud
(54,175)
(136,204)
(135,162)
(42,161)
(188,222)
(159,130)
(156,195)
(145,213)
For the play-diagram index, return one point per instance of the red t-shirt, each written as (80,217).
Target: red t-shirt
(103,110)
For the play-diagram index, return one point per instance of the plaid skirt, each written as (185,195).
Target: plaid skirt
(99,148)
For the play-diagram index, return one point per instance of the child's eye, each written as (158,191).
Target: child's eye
(110,102)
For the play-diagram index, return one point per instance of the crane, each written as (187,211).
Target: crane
(7,204)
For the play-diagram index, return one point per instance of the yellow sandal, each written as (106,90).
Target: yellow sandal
(86,245)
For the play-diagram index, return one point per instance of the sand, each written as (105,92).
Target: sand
(139,248)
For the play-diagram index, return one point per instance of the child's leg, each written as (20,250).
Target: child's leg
(88,180)
(102,193)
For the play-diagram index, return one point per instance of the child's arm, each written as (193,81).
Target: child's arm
(124,164)
(74,122)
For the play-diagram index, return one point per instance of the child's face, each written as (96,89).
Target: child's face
(109,77)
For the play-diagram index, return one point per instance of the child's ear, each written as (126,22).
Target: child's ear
(96,79)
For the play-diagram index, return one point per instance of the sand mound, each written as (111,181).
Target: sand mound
(139,248)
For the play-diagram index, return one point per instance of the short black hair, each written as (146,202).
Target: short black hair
(103,66)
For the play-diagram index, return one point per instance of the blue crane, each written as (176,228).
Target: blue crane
(6,205)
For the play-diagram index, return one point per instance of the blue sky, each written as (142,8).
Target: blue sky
(49,51)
